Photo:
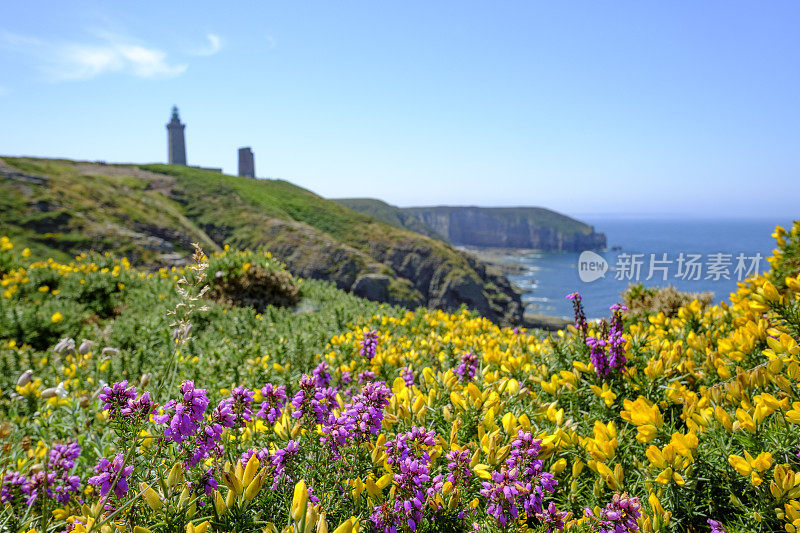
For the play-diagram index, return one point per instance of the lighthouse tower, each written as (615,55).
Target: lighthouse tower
(176,143)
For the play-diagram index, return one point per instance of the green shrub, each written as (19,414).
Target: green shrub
(251,279)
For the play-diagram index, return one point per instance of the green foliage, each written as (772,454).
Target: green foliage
(253,279)
(788,256)
(104,299)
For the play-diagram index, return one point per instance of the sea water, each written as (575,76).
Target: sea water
(693,255)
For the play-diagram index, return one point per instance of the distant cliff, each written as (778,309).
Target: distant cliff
(509,227)
(490,227)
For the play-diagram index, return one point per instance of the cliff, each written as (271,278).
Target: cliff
(390,214)
(152,213)
(509,227)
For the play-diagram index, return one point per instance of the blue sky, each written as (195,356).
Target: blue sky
(625,108)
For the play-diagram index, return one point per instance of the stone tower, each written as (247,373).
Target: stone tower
(176,144)
(247,165)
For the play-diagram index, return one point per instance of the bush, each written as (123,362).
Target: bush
(251,279)
(645,301)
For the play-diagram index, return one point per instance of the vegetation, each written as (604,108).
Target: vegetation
(251,279)
(667,300)
(152,213)
(343,414)
(390,214)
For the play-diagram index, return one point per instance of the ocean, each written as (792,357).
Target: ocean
(693,255)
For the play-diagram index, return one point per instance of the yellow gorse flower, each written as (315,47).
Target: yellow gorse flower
(750,466)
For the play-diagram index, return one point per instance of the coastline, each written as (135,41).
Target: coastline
(499,259)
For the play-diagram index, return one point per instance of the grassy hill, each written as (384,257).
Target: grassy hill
(390,214)
(152,214)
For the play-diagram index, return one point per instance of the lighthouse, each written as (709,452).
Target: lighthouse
(176,143)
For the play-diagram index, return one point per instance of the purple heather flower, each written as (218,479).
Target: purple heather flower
(140,409)
(619,516)
(188,412)
(467,367)
(616,342)
(62,456)
(410,461)
(321,374)
(262,455)
(241,400)
(337,431)
(312,404)
(458,467)
(367,375)
(207,482)
(116,397)
(16,488)
(224,414)
(360,418)
(607,350)
(597,354)
(57,484)
(552,518)
(409,458)
(501,495)
(369,344)
(107,472)
(520,483)
(280,459)
(580,316)
(408,376)
(274,400)
(716,527)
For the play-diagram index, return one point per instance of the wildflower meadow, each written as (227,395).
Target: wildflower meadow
(229,396)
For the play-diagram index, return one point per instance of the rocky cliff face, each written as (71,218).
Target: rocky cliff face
(404,272)
(513,227)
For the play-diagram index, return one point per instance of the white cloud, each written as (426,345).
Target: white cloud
(81,62)
(111,53)
(213,46)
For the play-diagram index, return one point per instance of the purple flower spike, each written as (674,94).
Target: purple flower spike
(107,471)
(369,344)
(467,367)
(274,400)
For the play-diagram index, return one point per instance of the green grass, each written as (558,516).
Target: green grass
(135,319)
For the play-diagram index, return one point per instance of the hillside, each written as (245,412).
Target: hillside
(396,216)
(509,227)
(152,213)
